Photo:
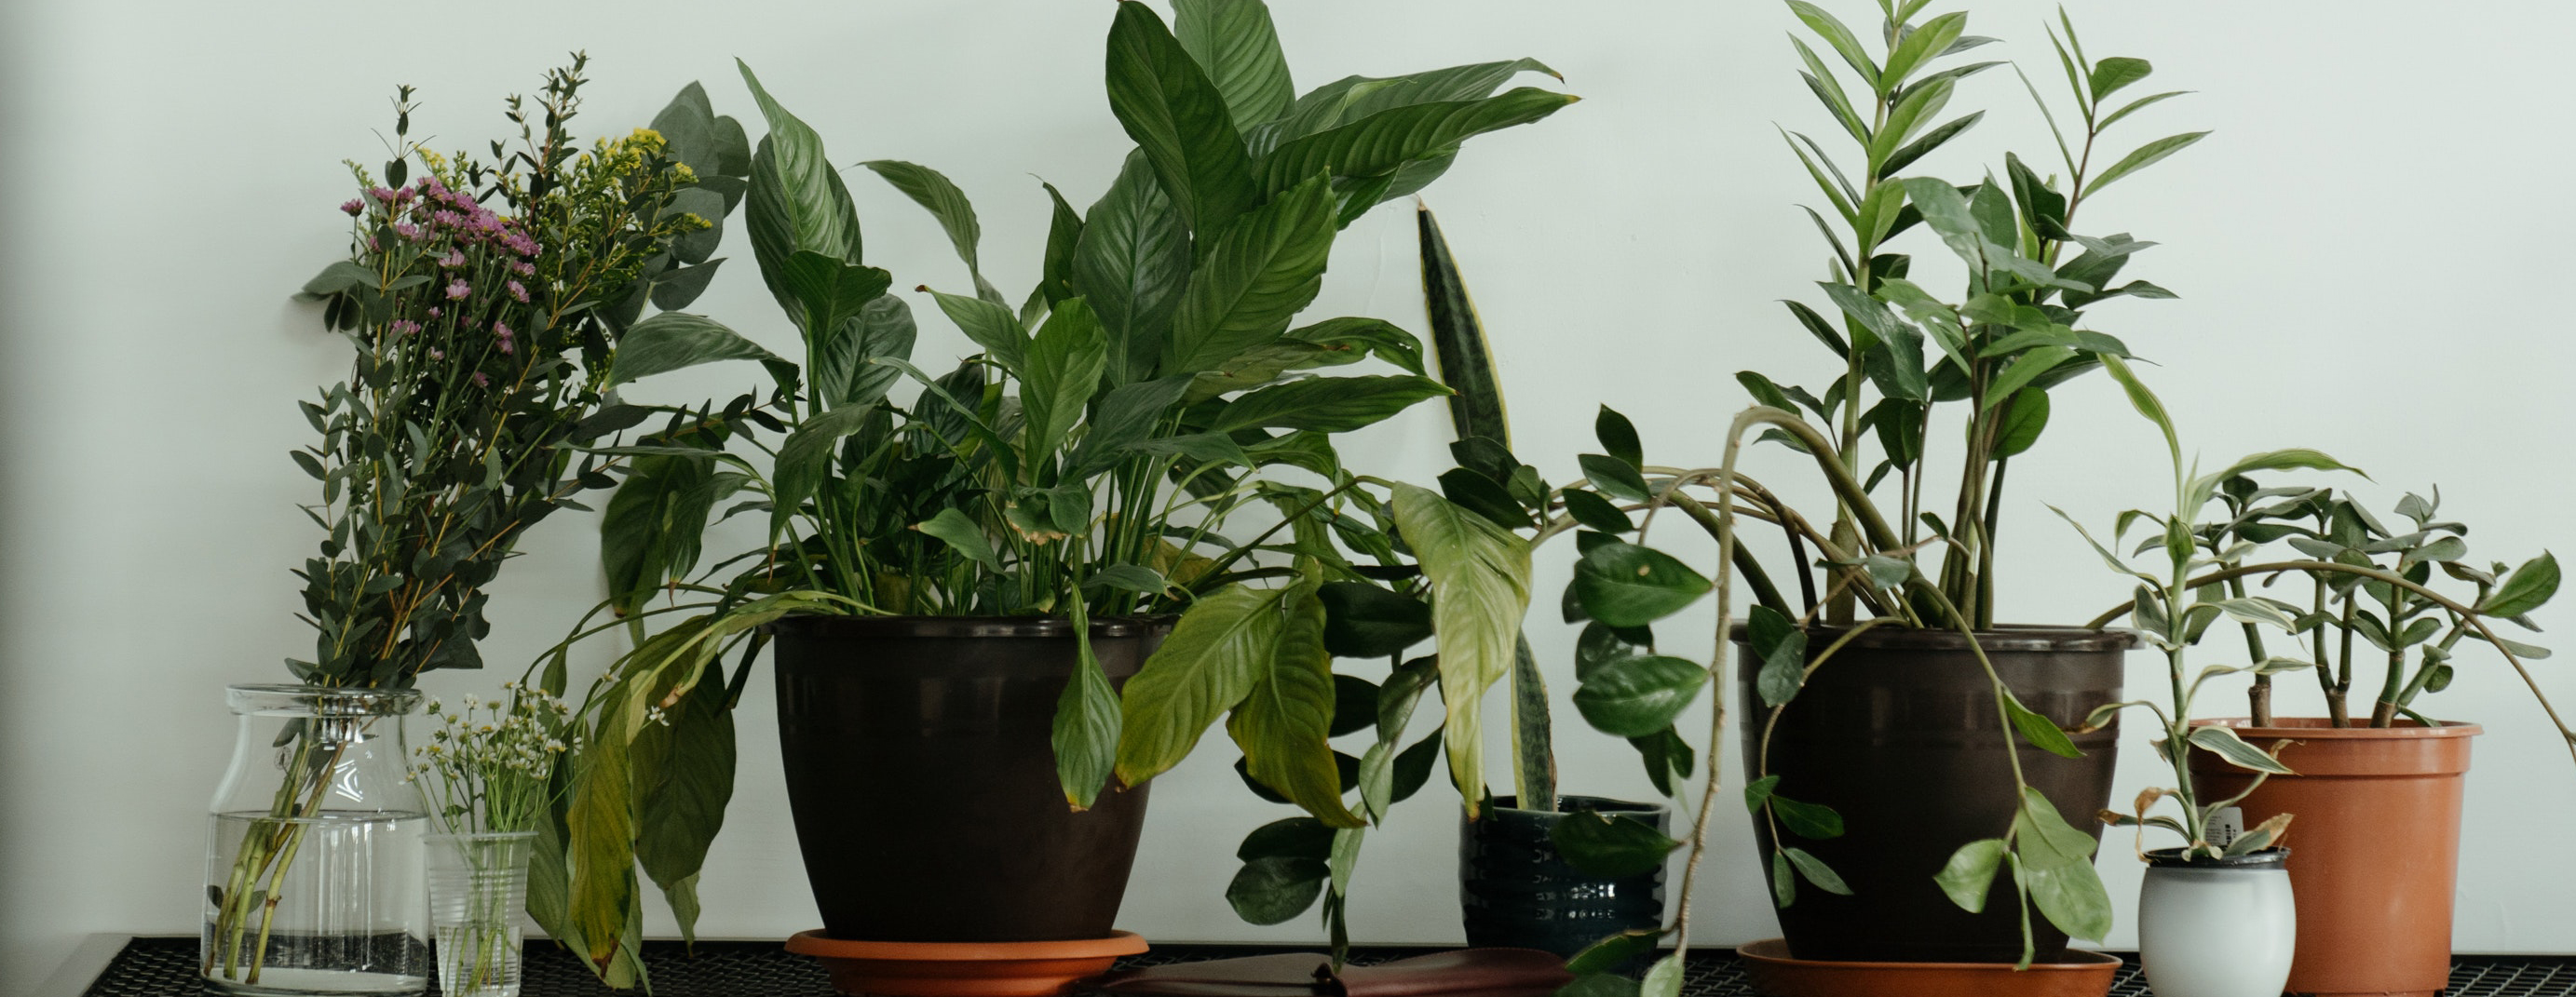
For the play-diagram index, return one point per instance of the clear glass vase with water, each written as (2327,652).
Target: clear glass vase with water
(316,854)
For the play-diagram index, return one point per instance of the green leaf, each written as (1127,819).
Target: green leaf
(1326,404)
(938,195)
(1816,871)
(1125,421)
(2040,731)
(1179,120)
(1933,138)
(683,776)
(1480,578)
(1813,821)
(1607,955)
(959,531)
(600,822)
(1131,262)
(1251,280)
(1064,242)
(1364,621)
(2135,105)
(2056,865)
(2148,405)
(1378,337)
(992,326)
(1272,890)
(2225,744)
(1602,983)
(1664,978)
(2142,157)
(654,524)
(1281,724)
(804,460)
(1625,585)
(2525,590)
(1291,837)
(1614,476)
(1926,42)
(670,341)
(2022,423)
(1842,40)
(1235,43)
(1781,648)
(845,369)
(1065,363)
(1640,696)
(1458,342)
(1085,731)
(796,202)
(1388,139)
(1619,437)
(1214,656)
(2115,72)
(1970,873)
(1590,509)
(1608,845)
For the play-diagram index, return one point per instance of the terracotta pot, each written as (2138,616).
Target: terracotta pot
(2376,846)
(922,777)
(1898,733)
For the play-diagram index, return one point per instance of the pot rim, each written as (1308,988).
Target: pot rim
(1598,804)
(2259,861)
(1044,627)
(2406,730)
(2004,637)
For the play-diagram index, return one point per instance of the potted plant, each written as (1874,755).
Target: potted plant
(1054,512)
(2369,786)
(484,302)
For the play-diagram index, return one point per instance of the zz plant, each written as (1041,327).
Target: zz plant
(1087,461)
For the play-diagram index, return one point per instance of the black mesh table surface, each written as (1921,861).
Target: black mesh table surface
(166,967)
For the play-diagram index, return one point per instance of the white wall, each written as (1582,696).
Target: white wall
(2367,252)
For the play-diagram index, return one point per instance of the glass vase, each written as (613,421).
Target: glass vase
(315,877)
(478,883)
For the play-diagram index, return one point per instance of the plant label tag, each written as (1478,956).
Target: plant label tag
(2226,824)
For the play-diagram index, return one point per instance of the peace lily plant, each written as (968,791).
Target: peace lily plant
(1088,461)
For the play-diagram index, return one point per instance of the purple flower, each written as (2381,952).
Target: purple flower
(524,268)
(457,289)
(407,230)
(501,329)
(433,311)
(402,196)
(405,327)
(517,291)
(436,354)
(353,206)
(446,219)
(481,381)
(454,258)
(381,193)
(505,346)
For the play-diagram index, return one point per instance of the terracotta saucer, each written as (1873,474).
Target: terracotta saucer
(963,969)
(1774,973)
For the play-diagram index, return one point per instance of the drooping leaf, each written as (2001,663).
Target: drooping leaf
(939,195)
(2526,589)
(1479,576)
(1281,724)
(1970,873)
(1208,665)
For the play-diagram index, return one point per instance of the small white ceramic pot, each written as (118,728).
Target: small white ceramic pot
(2217,928)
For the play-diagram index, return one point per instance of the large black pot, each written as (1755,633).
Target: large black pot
(1898,733)
(1515,891)
(923,781)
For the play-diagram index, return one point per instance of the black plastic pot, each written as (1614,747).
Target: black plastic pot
(1515,891)
(1898,733)
(923,781)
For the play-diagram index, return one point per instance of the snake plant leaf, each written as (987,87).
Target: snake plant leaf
(1326,404)
(1387,140)
(1179,120)
(1610,845)
(1065,363)
(938,195)
(683,773)
(1282,722)
(796,202)
(1252,279)
(1465,360)
(670,341)
(1131,261)
(1480,583)
(1636,697)
(1234,41)
(1208,665)
(1625,585)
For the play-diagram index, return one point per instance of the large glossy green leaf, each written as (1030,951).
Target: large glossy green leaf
(1364,621)
(2056,865)
(958,530)
(1780,648)
(1458,340)
(1235,43)
(804,460)
(993,327)
(1611,845)
(797,201)
(827,290)
(845,371)
(1125,419)
(1354,97)
(670,341)
(1327,404)
(939,195)
(1064,240)
(1130,262)
(653,525)
(1087,721)
(1179,120)
(683,774)
(1639,696)
(1252,279)
(1282,723)
(1375,337)
(1272,889)
(1389,139)
(1065,364)
(1208,664)
(1480,577)
(1970,873)
(600,820)
(1625,585)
